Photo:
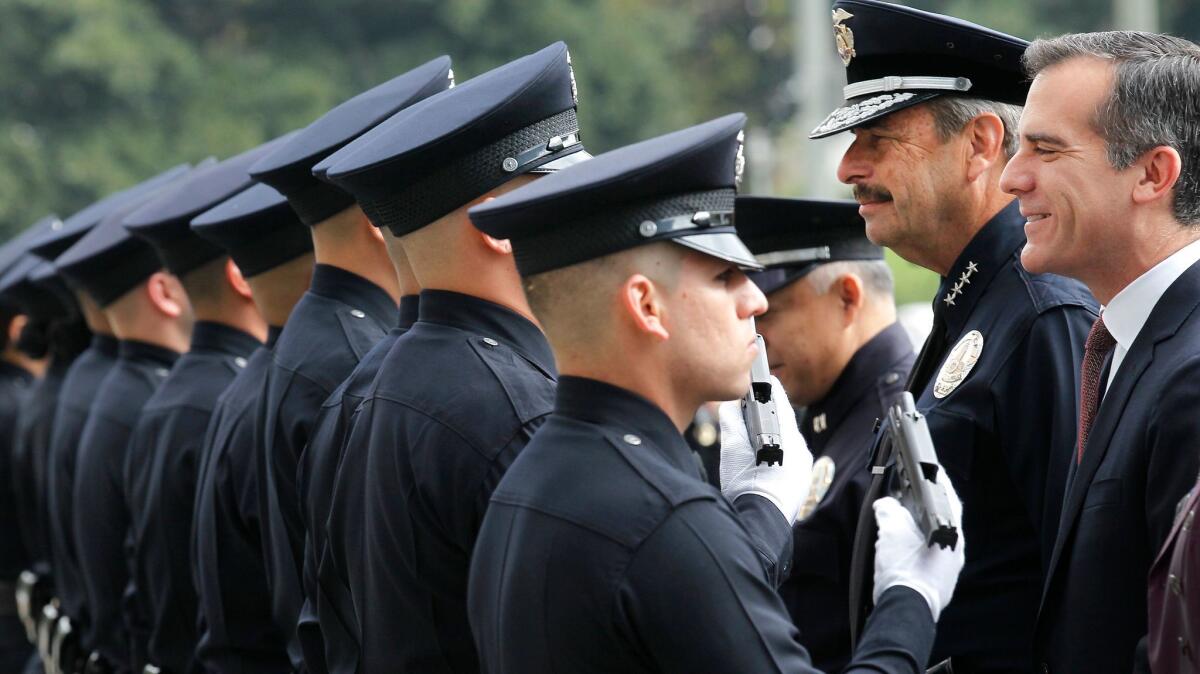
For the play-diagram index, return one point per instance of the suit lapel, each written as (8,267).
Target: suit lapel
(1176,304)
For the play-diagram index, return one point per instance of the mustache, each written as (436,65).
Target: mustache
(867,193)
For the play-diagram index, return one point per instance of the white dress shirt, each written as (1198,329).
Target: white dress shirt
(1125,315)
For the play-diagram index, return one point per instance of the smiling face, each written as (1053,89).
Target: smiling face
(906,178)
(707,313)
(1075,203)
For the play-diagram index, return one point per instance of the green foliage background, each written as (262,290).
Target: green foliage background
(98,94)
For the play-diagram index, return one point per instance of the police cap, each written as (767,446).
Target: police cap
(897,57)
(679,187)
(257,227)
(440,154)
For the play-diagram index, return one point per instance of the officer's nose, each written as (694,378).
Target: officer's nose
(854,166)
(752,302)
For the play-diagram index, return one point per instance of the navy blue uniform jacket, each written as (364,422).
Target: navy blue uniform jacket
(237,633)
(327,620)
(14,552)
(605,551)
(100,511)
(30,463)
(840,427)
(455,400)
(79,388)
(1140,460)
(333,326)
(1004,433)
(160,483)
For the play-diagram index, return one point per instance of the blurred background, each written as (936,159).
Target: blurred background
(96,95)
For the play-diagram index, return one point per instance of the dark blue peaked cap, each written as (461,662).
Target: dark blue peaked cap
(257,227)
(289,168)
(791,237)
(897,57)
(440,154)
(37,300)
(16,251)
(679,187)
(164,220)
(109,261)
(60,238)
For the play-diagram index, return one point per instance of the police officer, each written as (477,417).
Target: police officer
(79,388)
(16,376)
(235,628)
(834,343)
(933,104)
(349,307)
(603,550)
(161,464)
(151,317)
(460,394)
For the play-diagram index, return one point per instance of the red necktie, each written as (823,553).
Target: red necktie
(1099,342)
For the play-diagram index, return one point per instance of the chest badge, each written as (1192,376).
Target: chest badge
(822,477)
(958,364)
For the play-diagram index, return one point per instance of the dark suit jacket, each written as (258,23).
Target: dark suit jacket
(1139,460)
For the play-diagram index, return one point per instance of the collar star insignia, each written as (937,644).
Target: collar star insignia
(972,268)
(958,287)
(820,423)
(963,281)
(965,278)
(949,299)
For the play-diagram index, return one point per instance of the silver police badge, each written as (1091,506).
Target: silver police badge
(958,365)
(823,471)
(843,36)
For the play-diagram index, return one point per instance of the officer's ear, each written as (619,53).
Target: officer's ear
(642,302)
(15,327)
(851,294)
(233,275)
(166,294)
(500,246)
(984,144)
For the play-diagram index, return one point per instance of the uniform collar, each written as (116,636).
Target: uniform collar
(860,375)
(105,344)
(10,371)
(273,332)
(625,412)
(409,308)
(489,319)
(349,288)
(132,349)
(978,264)
(223,339)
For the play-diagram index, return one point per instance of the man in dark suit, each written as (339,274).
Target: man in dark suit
(833,341)
(1110,190)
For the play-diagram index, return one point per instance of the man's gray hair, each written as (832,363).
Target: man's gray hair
(951,114)
(1155,100)
(876,276)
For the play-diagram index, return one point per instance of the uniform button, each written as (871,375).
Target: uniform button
(490,342)
(1045,668)
(162,372)
(1174,583)
(892,378)
(357,313)
(632,439)
(239,361)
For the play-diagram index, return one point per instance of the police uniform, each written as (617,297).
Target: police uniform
(79,389)
(997,376)
(161,463)
(460,394)
(235,629)
(327,620)
(107,263)
(348,310)
(603,550)
(791,238)
(15,554)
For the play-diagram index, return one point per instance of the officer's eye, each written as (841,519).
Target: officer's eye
(727,275)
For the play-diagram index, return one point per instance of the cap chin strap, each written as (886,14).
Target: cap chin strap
(908,83)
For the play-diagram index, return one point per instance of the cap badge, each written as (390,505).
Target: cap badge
(574,88)
(843,36)
(823,471)
(450,76)
(958,364)
(739,161)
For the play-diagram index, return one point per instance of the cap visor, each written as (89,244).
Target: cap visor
(723,246)
(773,279)
(868,109)
(563,162)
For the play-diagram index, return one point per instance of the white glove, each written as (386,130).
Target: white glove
(903,558)
(784,485)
